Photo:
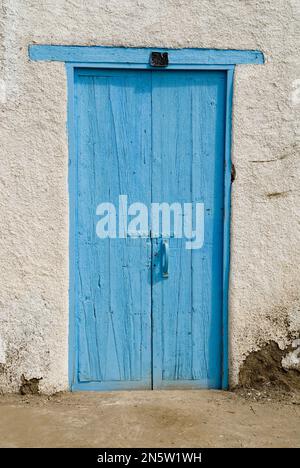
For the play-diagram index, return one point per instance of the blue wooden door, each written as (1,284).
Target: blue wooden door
(154,136)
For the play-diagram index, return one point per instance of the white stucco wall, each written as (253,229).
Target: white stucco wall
(265,255)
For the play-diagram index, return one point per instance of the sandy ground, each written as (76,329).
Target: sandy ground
(148,419)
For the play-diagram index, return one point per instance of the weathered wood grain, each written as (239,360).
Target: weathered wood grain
(131,56)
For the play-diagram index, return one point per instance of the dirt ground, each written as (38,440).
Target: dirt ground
(150,419)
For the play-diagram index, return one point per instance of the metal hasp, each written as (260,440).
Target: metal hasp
(159,59)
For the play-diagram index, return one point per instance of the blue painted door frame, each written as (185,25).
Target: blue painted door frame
(77,57)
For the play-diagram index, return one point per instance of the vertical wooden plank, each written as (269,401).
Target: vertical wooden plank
(114,290)
(188,122)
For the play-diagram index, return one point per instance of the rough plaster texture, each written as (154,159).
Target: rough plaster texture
(265,255)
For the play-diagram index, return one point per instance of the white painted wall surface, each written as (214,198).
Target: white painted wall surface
(265,257)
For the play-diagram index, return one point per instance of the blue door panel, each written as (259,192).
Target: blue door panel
(155,136)
(113,274)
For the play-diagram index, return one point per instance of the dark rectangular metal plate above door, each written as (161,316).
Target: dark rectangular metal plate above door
(148,309)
